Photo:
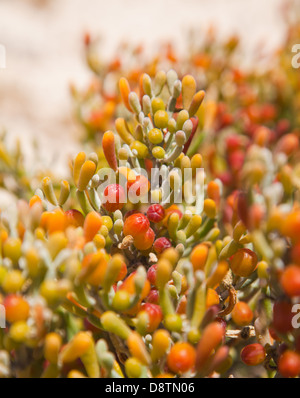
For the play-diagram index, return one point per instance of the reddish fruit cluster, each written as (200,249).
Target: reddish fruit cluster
(114,198)
(138,226)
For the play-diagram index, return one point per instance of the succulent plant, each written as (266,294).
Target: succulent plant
(173,248)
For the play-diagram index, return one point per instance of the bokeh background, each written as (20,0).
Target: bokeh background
(43,41)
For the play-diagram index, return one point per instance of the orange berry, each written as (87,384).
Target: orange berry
(56,221)
(243,262)
(144,241)
(16,308)
(199,256)
(136,224)
(213,192)
(291,226)
(53,343)
(181,357)
(242,314)
(290,280)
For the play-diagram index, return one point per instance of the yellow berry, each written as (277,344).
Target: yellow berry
(107,221)
(194,336)
(140,148)
(157,105)
(19,331)
(13,281)
(155,136)
(99,241)
(210,208)
(158,152)
(161,119)
(12,249)
(173,322)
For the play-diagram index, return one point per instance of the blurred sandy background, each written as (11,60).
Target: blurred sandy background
(43,40)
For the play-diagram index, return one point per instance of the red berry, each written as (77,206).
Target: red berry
(155,213)
(282,317)
(136,224)
(290,280)
(74,218)
(114,197)
(151,274)
(155,315)
(253,354)
(236,160)
(153,297)
(233,142)
(161,244)
(289,364)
